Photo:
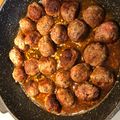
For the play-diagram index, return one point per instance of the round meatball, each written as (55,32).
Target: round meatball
(31,66)
(47,66)
(44,25)
(16,57)
(86,92)
(63,78)
(19,41)
(31,88)
(69,10)
(68,58)
(19,74)
(52,7)
(45,46)
(26,25)
(59,34)
(46,86)
(77,30)
(80,72)
(95,54)
(102,78)
(94,15)
(32,38)
(107,32)
(65,97)
(52,104)
(35,11)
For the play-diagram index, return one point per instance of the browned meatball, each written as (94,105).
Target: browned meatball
(59,34)
(65,97)
(31,66)
(95,54)
(94,15)
(26,25)
(16,57)
(63,78)
(46,86)
(19,41)
(52,7)
(102,78)
(52,104)
(68,58)
(31,88)
(107,32)
(77,30)
(35,11)
(69,10)
(80,72)
(44,25)
(86,92)
(47,66)
(45,46)
(32,38)
(19,74)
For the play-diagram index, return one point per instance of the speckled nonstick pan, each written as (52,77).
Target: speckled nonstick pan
(13,96)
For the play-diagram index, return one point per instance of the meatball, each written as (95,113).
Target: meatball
(68,58)
(59,34)
(35,11)
(80,72)
(16,57)
(52,7)
(107,32)
(69,10)
(46,86)
(26,25)
(31,88)
(95,54)
(45,46)
(31,66)
(19,74)
(102,78)
(19,41)
(77,30)
(65,97)
(44,25)
(86,92)
(94,15)
(52,104)
(47,66)
(63,78)
(32,38)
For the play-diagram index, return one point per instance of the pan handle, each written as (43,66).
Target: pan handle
(2,106)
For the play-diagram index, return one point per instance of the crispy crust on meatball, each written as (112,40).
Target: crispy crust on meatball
(86,92)
(107,32)
(45,24)
(45,46)
(47,66)
(69,10)
(102,78)
(94,15)
(80,72)
(95,54)
(68,58)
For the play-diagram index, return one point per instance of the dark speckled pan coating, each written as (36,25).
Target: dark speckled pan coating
(12,94)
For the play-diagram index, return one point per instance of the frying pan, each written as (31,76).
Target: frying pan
(13,96)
